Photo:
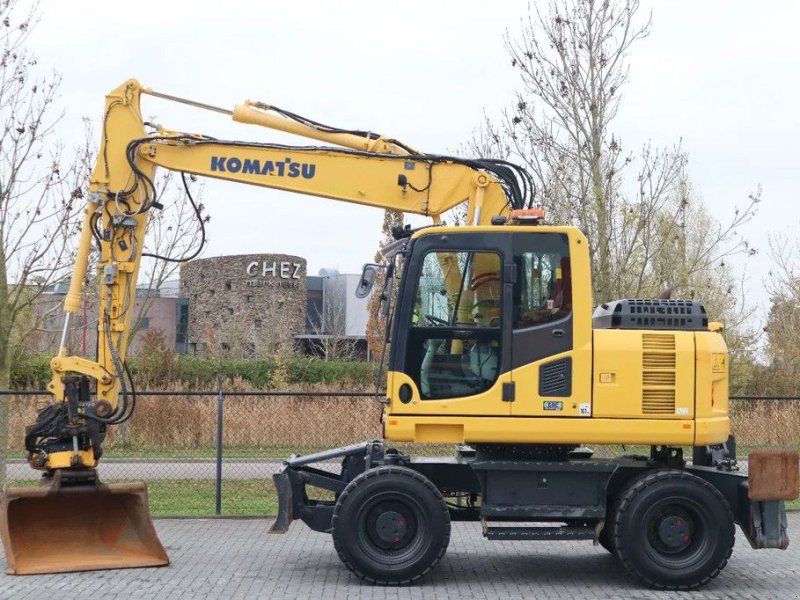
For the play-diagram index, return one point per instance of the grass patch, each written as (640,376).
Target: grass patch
(197,497)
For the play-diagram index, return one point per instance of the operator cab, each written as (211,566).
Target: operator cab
(475,305)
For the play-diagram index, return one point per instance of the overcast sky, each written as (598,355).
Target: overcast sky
(723,76)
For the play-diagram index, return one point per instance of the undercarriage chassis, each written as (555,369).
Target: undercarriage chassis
(576,490)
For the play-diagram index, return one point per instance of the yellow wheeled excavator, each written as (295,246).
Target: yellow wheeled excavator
(494,347)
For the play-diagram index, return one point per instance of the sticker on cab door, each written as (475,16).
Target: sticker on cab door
(719,363)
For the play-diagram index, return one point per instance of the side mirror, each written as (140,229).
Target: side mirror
(369,275)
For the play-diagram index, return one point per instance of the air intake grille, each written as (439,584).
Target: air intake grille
(654,341)
(658,374)
(651,360)
(658,378)
(555,378)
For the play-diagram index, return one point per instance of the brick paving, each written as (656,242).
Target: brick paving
(237,559)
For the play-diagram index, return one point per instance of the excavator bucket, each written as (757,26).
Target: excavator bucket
(60,529)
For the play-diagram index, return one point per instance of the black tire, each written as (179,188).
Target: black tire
(390,526)
(673,530)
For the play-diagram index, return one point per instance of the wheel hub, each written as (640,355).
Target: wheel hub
(674,532)
(391,526)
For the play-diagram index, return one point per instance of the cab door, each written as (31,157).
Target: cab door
(452,352)
(543,356)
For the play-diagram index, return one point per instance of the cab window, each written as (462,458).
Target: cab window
(543,292)
(455,331)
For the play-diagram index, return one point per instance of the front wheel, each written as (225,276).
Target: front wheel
(673,530)
(390,525)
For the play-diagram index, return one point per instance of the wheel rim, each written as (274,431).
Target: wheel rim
(677,532)
(391,528)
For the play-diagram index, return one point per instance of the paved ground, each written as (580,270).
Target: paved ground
(238,559)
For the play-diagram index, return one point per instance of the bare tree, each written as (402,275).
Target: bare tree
(783,321)
(40,190)
(572,59)
(174,234)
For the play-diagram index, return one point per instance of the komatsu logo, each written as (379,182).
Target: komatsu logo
(279,168)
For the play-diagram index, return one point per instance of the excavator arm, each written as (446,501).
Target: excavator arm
(66,440)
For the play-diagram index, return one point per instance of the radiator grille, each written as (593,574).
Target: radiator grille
(658,378)
(651,360)
(658,374)
(655,341)
(658,402)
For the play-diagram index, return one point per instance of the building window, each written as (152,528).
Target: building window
(182,326)
(230,310)
(248,299)
(211,292)
(145,324)
(226,346)
(193,348)
(227,286)
(258,323)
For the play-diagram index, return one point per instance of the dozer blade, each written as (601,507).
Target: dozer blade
(79,528)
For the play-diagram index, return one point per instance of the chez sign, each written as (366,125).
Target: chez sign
(287,271)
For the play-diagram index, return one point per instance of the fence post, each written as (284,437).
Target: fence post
(4,401)
(218,480)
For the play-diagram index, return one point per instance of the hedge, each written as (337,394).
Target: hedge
(194,372)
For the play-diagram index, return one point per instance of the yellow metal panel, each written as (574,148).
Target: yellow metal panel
(712,430)
(63,460)
(643,374)
(438,433)
(578,243)
(540,430)
(529,403)
(489,402)
(711,388)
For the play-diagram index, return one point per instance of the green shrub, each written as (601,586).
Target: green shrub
(162,369)
(301,370)
(32,372)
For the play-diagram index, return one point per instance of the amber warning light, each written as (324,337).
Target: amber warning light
(527,216)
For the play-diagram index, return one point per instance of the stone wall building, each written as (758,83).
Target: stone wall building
(244,305)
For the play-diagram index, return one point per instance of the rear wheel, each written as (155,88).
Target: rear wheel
(673,530)
(390,525)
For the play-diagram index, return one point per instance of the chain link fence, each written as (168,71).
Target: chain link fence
(214,453)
